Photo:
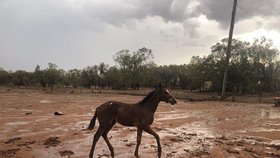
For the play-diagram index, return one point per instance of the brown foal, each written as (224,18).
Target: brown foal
(140,115)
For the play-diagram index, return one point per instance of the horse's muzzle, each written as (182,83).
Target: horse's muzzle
(172,101)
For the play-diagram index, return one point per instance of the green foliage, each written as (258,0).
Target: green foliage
(114,78)
(132,66)
(253,67)
(38,76)
(89,76)
(102,69)
(52,75)
(21,78)
(4,77)
(72,78)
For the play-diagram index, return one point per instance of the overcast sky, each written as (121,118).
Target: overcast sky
(80,33)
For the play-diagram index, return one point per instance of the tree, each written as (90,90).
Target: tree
(132,65)
(4,77)
(21,78)
(102,69)
(89,76)
(74,77)
(113,77)
(38,76)
(52,75)
(251,66)
(239,66)
(264,58)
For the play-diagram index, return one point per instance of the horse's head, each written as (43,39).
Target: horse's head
(165,95)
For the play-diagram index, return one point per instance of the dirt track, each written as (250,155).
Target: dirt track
(28,128)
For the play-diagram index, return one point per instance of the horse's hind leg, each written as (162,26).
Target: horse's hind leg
(150,131)
(139,135)
(97,135)
(107,140)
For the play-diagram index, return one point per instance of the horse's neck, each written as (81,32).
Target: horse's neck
(152,103)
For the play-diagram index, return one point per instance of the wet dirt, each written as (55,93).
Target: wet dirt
(52,142)
(187,129)
(66,153)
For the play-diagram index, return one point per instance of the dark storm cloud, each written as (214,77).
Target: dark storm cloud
(170,10)
(59,31)
(220,10)
(120,12)
(91,14)
(117,12)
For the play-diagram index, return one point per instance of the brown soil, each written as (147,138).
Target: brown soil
(66,153)
(52,141)
(187,129)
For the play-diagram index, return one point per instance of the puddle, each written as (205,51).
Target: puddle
(23,130)
(270,114)
(171,117)
(7,109)
(17,123)
(45,101)
(276,142)
(267,130)
(192,128)
(30,110)
(42,118)
(179,140)
(168,112)
(273,124)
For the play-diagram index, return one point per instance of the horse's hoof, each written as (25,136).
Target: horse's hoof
(90,155)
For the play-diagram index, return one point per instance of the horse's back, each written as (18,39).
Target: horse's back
(111,107)
(107,106)
(123,113)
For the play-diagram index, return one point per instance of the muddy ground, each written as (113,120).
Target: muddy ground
(29,128)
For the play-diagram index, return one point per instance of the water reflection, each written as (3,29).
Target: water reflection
(271,114)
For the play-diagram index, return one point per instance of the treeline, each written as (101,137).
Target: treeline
(253,67)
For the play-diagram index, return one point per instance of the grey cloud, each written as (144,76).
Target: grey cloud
(87,14)
(33,31)
(191,28)
(177,10)
(220,10)
(117,13)
(170,10)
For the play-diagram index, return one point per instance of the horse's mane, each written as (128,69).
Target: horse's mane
(147,97)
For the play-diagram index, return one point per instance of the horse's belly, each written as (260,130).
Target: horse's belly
(125,122)
(135,122)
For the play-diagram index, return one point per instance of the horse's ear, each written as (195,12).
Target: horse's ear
(158,86)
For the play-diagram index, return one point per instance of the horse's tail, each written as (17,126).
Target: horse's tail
(92,122)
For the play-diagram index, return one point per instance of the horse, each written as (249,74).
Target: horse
(140,115)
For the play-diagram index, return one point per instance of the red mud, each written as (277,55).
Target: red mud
(187,129)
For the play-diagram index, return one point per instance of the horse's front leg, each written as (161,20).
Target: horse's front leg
(150,131)
(139,135)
